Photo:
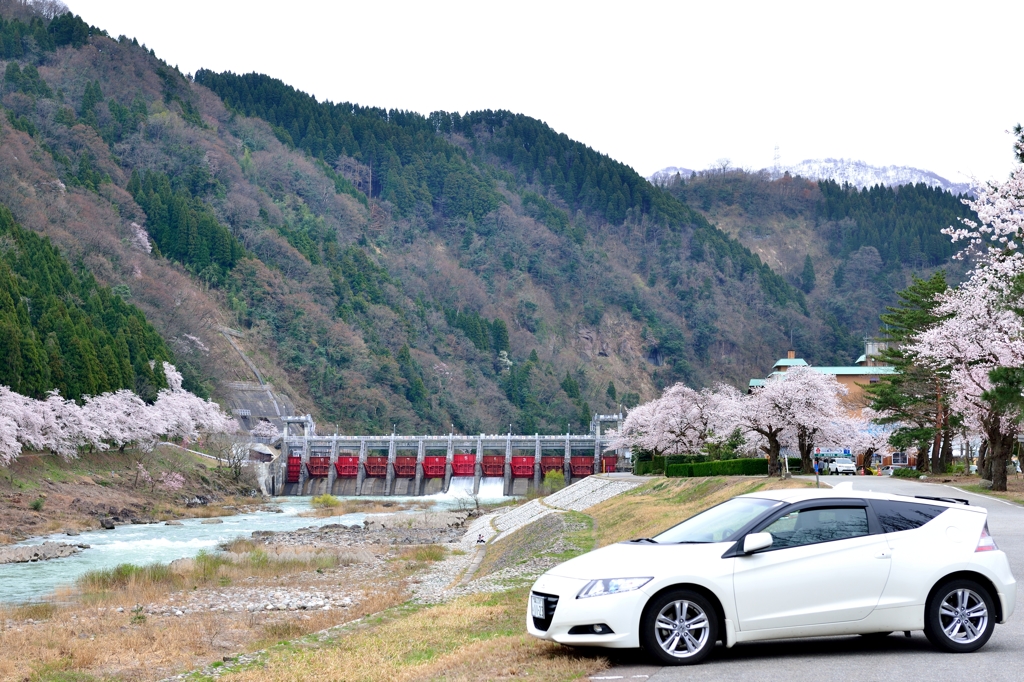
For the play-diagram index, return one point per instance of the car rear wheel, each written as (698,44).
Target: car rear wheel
(960,616)
(679,628)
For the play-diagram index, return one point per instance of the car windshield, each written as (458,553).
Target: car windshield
(718,523)
(843,461)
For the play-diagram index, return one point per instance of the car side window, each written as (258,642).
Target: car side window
(811,526)
(896,516)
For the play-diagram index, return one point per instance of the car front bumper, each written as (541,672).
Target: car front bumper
(620,612)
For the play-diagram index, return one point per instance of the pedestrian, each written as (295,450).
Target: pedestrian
(480,538)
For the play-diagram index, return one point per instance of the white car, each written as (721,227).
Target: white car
(782,564)
(842,465)
(888,469)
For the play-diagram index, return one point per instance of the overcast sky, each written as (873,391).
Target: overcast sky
(653,84)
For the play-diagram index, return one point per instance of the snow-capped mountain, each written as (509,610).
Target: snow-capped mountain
(861,174)
(666,174)
(857,173)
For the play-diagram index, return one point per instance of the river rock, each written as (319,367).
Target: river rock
(107,524)
(70,532)
(211,521)
(173,523)
(43,552)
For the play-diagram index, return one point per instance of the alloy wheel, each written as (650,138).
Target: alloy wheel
(682,628)
(963,616)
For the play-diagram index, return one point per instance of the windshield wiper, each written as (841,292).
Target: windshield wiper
(653,542)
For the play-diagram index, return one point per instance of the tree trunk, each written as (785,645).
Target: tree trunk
(922,457)
(773,455)
(982,458)
(1000,446)
(937,441)
(806,445)
(947,450)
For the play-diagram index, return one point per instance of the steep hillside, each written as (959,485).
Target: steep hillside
(384,268)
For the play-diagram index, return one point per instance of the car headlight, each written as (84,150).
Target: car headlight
(597,588)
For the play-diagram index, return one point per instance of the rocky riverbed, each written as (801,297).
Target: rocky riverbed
(47,550)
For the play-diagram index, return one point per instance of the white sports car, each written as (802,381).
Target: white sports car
(782,564)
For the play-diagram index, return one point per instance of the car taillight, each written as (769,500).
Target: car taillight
(986,543)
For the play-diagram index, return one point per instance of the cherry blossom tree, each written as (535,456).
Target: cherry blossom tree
(123,418)
(983,330)
(819,417)
(800,408)
(681,421)
(119,418)
(265,429)
(185,415)
(981,334)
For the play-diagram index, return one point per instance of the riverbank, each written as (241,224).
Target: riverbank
(41,494)
(290,605)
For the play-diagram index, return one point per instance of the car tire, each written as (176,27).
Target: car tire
(679,618)
(960,616)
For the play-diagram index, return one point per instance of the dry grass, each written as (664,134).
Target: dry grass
(77,640)
(142,584)
(656,506)
(423,553)
(478,637)
(357,506)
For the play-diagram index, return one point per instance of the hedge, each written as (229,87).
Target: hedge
(727,467)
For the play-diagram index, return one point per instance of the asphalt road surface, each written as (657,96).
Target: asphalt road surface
(849,659)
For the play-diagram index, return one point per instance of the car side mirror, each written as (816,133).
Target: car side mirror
(755,542)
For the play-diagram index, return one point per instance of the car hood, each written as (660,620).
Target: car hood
(625,560)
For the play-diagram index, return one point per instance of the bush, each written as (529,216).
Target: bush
(655,465)
(553,480)
(906,472)
(37,504)
(728,467)
(325,501)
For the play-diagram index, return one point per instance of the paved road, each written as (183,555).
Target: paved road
(853,659)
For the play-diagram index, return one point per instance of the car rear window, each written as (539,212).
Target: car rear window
(897,516)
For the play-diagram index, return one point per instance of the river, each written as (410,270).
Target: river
(159,543)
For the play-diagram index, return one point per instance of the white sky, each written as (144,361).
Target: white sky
(928,84)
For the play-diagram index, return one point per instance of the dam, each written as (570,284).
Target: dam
(311,464)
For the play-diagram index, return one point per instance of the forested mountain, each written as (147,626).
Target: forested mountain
(849,249)
(61,330)
(389,269)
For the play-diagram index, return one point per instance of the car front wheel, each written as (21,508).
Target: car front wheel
(679,628)
(960,617)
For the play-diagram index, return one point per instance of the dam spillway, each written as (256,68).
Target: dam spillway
(311,464)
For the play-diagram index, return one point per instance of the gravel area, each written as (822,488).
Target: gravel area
(438,583)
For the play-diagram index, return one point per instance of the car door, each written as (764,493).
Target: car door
(827,564)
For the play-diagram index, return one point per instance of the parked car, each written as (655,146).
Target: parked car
(889,468)
(843,465)
(766,565)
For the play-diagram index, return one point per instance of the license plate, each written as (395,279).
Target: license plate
(537,606)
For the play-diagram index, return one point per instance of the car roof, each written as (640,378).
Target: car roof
(791,495)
